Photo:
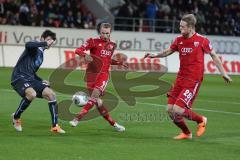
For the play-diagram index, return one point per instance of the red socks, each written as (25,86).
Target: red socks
(189,114)
(104,112)
(179,121)
(85,109)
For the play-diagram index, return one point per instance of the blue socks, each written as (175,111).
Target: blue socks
(22,107)
(53,108)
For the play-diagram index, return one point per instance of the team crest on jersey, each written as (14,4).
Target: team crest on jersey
(196,44)
(110,46)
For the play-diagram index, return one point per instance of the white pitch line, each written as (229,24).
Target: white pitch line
(212,101)
(199,109)
(154,104)
(209,101)
(216,111)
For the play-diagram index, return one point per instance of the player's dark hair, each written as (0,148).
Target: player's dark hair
(49,33)
(190,19)
(104,24)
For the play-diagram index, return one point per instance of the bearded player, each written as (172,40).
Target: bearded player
(97,72)
(191,47)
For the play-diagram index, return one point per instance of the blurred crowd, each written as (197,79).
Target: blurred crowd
(214,16)
(48,13)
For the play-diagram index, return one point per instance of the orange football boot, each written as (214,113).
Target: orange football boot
(201,127)
(183,136)
(57,129)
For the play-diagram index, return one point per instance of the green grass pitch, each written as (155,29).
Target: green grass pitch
(146,138)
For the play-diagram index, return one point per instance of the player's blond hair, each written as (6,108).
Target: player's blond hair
(103,25)
(190,19)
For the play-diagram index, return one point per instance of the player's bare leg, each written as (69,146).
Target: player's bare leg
(49,95)
(30,94)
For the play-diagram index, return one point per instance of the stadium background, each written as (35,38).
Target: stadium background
(139,26)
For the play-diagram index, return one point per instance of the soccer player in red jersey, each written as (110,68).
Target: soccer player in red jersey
(97,72)
(191,47)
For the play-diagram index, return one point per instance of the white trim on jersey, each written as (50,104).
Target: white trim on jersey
(194,91)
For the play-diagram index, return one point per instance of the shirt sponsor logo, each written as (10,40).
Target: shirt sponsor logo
(106,53)
(186,50)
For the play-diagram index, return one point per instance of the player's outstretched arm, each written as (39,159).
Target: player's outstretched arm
(35,44)
(121,63)
(219,65)
(164,53)
(87,46)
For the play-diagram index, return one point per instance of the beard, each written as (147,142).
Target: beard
(105,37)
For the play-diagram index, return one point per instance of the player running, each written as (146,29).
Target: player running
(191,47)
(97,72)
(28,85)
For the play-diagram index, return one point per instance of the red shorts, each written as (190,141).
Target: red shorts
(183,92)
(97,81)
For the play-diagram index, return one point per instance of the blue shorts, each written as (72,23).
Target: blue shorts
(21,84)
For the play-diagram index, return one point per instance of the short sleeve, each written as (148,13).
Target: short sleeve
(174,45)
(207,46)
(89,44)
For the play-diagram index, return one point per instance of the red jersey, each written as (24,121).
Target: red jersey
(191,54)
(101,51)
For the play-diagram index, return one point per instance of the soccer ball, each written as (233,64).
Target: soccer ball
(80,99)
